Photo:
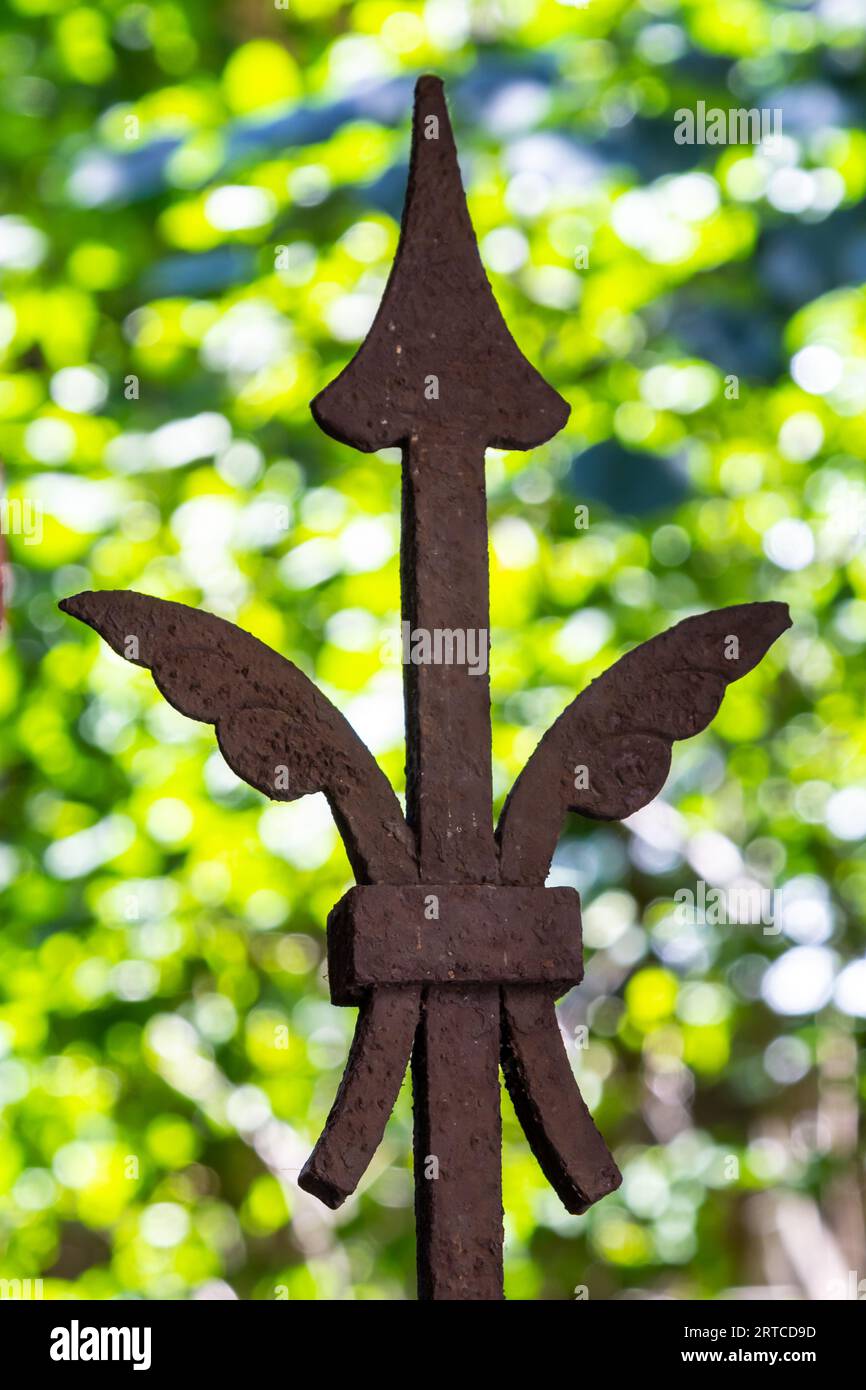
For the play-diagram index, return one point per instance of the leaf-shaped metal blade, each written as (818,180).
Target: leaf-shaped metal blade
(279,733)
(609,753)
(438,321)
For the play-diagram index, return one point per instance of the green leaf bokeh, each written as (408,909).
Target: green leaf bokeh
(199,205)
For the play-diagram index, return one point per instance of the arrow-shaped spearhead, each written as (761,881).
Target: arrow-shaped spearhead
(439,328)
(440,374)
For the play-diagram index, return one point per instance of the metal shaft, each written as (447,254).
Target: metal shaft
(455,1063)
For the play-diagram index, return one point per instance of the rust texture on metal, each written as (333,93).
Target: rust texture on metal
(450,945)
(453,934)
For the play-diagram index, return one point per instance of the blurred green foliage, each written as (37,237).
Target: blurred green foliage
(199,205)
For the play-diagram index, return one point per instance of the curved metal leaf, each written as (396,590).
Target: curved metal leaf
(277,731)
(609,753)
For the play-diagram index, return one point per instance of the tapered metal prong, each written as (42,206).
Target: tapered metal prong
(374,1073)
(570,1151)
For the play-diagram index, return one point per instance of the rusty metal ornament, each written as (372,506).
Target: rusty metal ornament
(450,946)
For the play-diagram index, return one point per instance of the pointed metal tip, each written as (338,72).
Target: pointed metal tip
(428,81)
(778,616)
(90,608)
(701,638)
(434,152)
(770,620)
(75,605)
(758,626)
(429,99)
(764,621)
(108,612)
(438,322)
